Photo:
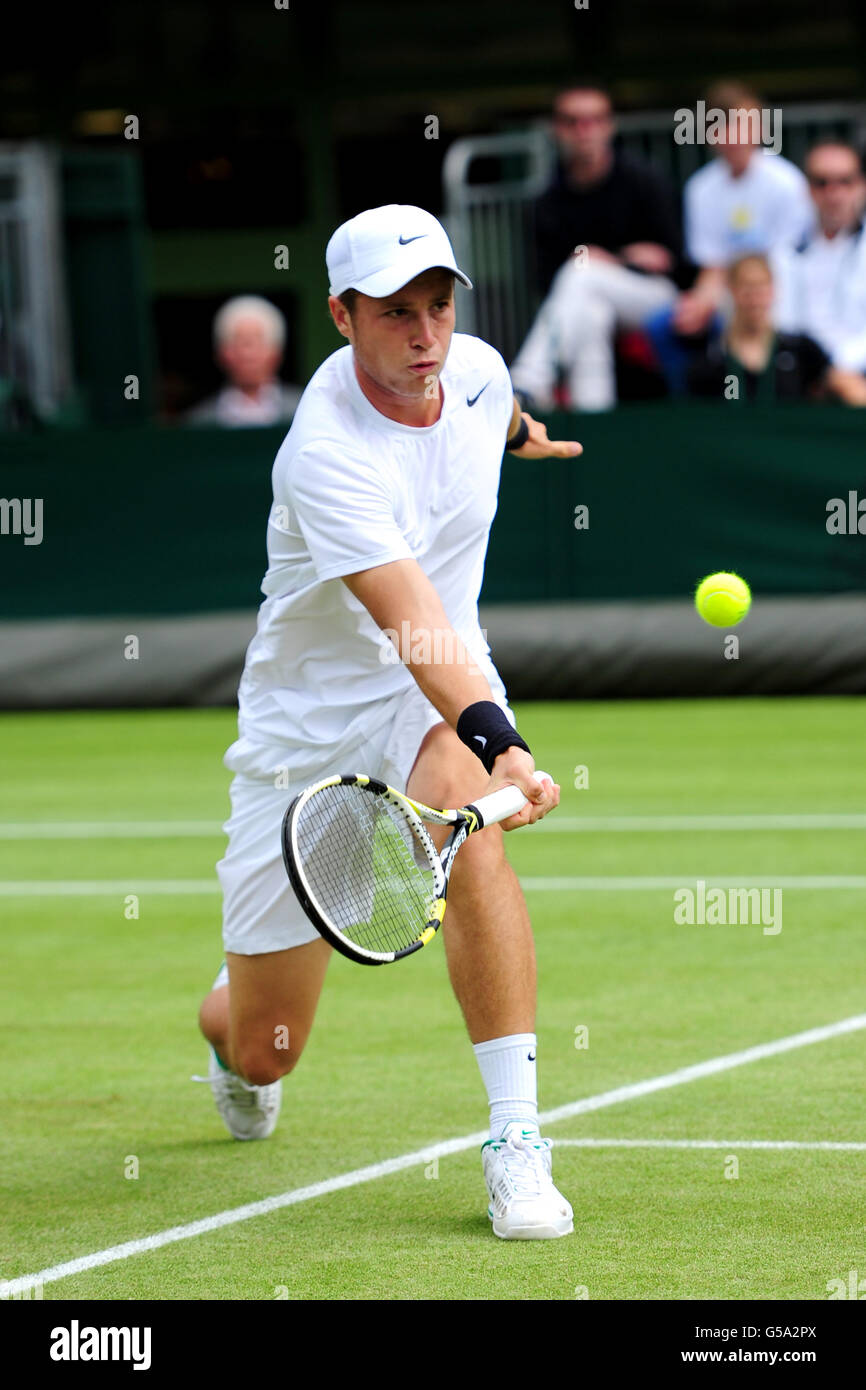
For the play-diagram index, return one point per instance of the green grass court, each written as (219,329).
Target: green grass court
(100,1036)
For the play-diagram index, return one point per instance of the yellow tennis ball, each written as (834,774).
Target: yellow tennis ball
(723,599)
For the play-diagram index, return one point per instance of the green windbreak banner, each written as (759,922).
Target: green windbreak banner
(158,521)
(674,493)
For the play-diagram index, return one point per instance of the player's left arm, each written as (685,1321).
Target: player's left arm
(531,441)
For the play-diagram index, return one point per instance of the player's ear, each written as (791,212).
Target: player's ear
(341,316)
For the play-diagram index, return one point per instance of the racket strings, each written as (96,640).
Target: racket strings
(366,867)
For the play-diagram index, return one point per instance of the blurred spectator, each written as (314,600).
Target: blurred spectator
(750,361)
(821,283)
(608,245)
(249,337)
(745,200)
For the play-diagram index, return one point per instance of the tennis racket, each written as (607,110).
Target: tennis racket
(365,870)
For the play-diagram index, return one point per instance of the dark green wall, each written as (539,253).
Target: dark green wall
(162,521)
(109,308)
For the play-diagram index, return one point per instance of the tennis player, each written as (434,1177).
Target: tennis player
(368,657)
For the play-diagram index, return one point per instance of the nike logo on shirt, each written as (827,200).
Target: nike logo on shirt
(404,240)
(475,398)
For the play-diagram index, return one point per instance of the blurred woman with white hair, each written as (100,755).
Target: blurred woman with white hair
(249,337)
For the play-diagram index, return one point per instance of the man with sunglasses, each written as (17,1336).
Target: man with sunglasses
(821,282)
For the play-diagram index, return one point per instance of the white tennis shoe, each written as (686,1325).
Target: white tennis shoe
(524,1204)
(249,1112)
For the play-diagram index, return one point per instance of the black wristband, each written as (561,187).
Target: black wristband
(518,440)
(486,729)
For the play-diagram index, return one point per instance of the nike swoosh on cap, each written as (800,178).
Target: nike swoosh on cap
(475,398)
(404,240)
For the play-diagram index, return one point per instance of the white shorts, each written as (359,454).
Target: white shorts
(260,910)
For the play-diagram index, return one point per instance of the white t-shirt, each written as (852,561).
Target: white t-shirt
(821,291)
(727,217)
(353,489)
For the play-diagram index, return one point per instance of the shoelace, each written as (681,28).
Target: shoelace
(240,1091)
(525,1166)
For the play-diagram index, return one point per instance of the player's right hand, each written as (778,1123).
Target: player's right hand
(516,767)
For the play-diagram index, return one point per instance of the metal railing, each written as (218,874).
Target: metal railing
(35,363)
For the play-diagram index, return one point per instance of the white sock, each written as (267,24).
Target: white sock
(222,978)
(508,1071)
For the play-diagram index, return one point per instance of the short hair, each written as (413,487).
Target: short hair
(583,84)
(828,142)
(348,299)
(757,256)
(730,94)
(249,306)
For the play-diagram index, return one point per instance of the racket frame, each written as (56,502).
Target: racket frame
(465,822)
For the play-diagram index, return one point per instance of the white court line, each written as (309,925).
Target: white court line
(183,829)
(822,1145)
(104,887)
(639,884)
(108,830)
(107,887)
(632,824)
(233,1215)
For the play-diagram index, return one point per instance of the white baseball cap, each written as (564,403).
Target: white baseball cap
(384,248)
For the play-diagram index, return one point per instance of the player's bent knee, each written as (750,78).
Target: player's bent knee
(262,1066)
(212,1013)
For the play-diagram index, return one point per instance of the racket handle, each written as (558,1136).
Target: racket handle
(500,805)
